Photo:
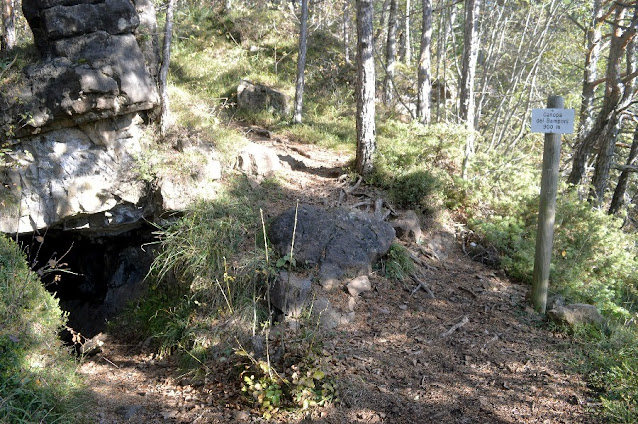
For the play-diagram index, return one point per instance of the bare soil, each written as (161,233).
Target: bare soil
(474,353)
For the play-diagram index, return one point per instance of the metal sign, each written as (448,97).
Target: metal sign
(553,121)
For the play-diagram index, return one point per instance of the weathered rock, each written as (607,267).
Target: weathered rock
(65,174)
(94,68)
(408,226)
(290,293)
(258,97)
(442,243)
(328,316)
(339,241)
(258,160)
(576,314)
(358,285)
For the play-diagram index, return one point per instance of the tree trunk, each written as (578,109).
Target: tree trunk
(8,25)
(619,194)
(366,142)
(424,75)
(618,96)
(301,62)
(468,72)
(346,31)
(407,42)
(382,22)
(390,53)
(586,115)
(163,73)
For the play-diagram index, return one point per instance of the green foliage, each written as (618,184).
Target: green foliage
(594,260)
(610,360)
(416,163)
(38,382)
(397,264)
(208,278)
(302,384)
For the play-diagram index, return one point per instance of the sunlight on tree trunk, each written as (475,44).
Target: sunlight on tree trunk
(390,54)
(301,62)
(424,80)
(468,72)
(407,41)
(8,25)
(366,142)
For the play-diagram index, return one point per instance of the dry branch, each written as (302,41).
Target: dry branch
(421,285)
(456,326)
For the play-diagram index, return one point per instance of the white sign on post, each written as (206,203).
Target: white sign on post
(553,121)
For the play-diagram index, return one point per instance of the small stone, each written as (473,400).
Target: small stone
(403,307)
(242,416)
(359,285)
(352,302)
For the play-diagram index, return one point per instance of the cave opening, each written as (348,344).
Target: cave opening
(94,276)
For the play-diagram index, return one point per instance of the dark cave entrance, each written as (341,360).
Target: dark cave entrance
(93,275)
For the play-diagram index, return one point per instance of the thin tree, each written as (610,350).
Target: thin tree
(390,54)
(587,116)
(468,73)
(366,141)
(8,25)
(301,62)
(163,73)
(423,110)
(346,31)
(407,42)
(621,90)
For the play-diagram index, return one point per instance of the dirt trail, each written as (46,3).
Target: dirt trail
(474,353)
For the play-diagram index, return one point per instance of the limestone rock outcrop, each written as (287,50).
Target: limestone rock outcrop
(72,127)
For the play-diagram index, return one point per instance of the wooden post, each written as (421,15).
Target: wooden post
(546,214)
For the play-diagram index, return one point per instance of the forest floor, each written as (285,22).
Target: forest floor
(400,361)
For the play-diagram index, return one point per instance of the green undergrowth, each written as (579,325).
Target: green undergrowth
(38,379)
(417,166)
(208,303)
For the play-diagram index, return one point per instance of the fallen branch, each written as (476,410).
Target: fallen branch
(421,285)
(456,326)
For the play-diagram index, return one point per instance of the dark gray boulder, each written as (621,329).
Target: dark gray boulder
(340,242)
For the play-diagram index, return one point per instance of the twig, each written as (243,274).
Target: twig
(422,285)
(456,326)
(474,295)
(107,360)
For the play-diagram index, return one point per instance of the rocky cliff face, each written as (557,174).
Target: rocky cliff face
(73,127)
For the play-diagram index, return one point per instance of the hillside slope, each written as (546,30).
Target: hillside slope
(400,361)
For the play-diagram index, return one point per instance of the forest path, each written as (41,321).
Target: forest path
(473,353)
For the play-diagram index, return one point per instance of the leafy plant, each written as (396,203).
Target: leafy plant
(38,380)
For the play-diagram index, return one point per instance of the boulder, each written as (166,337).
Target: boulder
(257,160)
(576,314)
(94,68)
(358,285)
(340,242)
(408,226)
(258,97)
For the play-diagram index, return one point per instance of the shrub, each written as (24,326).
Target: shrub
(38,382)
